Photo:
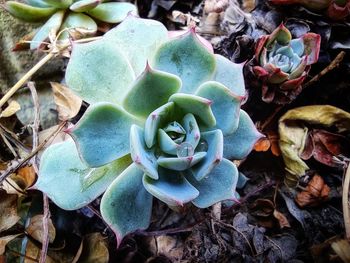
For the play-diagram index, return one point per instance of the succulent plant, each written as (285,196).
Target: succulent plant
(166,128)
(67,14)
(283,63)
(335,9)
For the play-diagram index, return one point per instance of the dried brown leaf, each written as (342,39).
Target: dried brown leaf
(4,240)
(262,145)
(68,104)
(263,207)
(282,219)
(33,251)
(35,229)
(11,109)
(11,187)
(216,6)
(25,177)
(94,249)
(293,132)
(8,208)
(315,193)
(342,248)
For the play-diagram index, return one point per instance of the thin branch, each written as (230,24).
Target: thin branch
(22,162)
(35,128)
(167,231)
(46,217)
(222,224)
(345,202)
(335,63)
(26,76)
(8,144)
(13,138)
(18,254)
(36,123)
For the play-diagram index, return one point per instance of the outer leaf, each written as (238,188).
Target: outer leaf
(218,186)
(62,174)
(112,12)
(281,34)
(196,105)
(102,134)
(155,120)
(214,142)
(143,36)
(225,105)
(79,21)
(84,5)
(312,43)
(98,71)
(52,25)
(59,3)
(187,58)
(230,74)
(140,154)
(242,180)
(171,187)
(37,3)
(239,144)
(126,206)
(151,90)
(28,13)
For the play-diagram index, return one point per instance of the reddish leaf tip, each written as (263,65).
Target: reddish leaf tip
(69,129)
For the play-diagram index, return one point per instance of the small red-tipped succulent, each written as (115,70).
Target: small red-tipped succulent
(335,9)
(283,63)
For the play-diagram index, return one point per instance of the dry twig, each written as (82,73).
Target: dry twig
(335,63)
(35,128)
(18,164)
(345,202)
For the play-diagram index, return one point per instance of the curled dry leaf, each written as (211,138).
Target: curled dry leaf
(68,104)
(3,242)
(25,177)
(281,218)
(294,131)
(11,109)
(94,249)
(33,252)
(8,208)
(268,142)
(35,228)
(342,248)
(266,210)
(315,192)
(216,6)
(325,147)
(22,180)
(170,246)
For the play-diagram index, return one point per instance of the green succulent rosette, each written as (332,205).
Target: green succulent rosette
(164,121)
(63,15)
(282,63)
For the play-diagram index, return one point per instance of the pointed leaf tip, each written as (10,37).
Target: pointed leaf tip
(126,206)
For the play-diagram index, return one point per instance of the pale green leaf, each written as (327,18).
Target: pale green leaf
(126,206)
(62,173)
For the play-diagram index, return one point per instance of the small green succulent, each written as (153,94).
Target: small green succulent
(67,14)
(166,128)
